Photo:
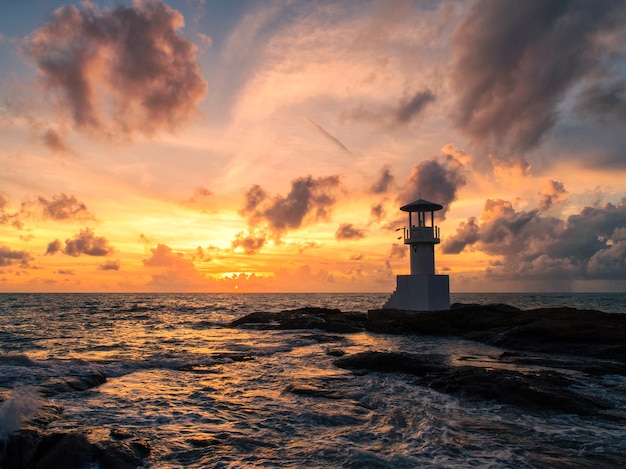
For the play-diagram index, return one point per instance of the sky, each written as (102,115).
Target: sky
(266,146)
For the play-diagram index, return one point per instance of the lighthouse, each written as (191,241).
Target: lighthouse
(422,290)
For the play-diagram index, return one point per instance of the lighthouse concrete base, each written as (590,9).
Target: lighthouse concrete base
(426,292)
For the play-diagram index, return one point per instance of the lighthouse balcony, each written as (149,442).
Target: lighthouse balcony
(422,234)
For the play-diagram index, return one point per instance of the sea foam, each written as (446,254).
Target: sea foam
(18,408)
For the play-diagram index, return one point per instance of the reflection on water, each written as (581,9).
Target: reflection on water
(209,396)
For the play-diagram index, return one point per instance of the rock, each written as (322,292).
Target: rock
(328,320)
(312,391)
(65,451)
(18,450)
(57,385)
(127,454)
(539,391)
(394,362)
(549,330)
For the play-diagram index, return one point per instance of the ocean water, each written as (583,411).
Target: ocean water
(205,395)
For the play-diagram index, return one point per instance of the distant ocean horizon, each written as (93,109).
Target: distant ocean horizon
(610,302)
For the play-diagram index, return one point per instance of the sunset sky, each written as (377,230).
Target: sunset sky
(266,146)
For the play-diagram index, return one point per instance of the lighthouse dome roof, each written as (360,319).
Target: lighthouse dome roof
(421,205)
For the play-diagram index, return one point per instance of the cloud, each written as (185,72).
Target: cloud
(10,257)
(251,244)
(436,179)
(54,247)
(309,200)
(173,271)
(390,117)
(349,231)
(385,179)
(128,64)
(63,207)
(603,100)
(414,106)
(55,142)
(9,218)
(553,192)
(110,265)
(532,246)
(509,166)
(83,243)
(200,198)
(514,63)
(377,212)
(334,140)
(398,251)
(466,234)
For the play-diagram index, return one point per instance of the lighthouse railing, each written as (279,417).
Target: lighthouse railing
(421,234)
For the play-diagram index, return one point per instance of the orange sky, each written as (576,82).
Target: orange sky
(266,146)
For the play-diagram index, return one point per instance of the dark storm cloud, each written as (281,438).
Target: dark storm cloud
(588,245)
(604,100)
(310,199)
(129,64)
(436,179)
(10,257)
(385,179)
(84,242)
(349,231)
(514,62)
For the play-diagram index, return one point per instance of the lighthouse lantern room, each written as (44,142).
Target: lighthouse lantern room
(422,290)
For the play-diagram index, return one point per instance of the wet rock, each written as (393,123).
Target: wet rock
(312,391)
(127,454)
(541,391)
(335,352)
(57,385)
(548,330)
(65,451)
(538,391)
(394,362)
(33,448)
(328,320)
(17,451)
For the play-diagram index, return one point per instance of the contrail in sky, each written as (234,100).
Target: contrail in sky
(333,139)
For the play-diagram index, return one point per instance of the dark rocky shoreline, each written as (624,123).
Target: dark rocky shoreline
(560,344)
(567,331)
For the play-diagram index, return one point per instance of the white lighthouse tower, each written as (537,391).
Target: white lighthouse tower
(423,290)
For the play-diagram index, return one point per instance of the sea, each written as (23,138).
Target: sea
(205,395)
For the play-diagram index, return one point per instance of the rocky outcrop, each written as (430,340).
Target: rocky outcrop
(329,320)
(547,330)
(538,391)
(35,448)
